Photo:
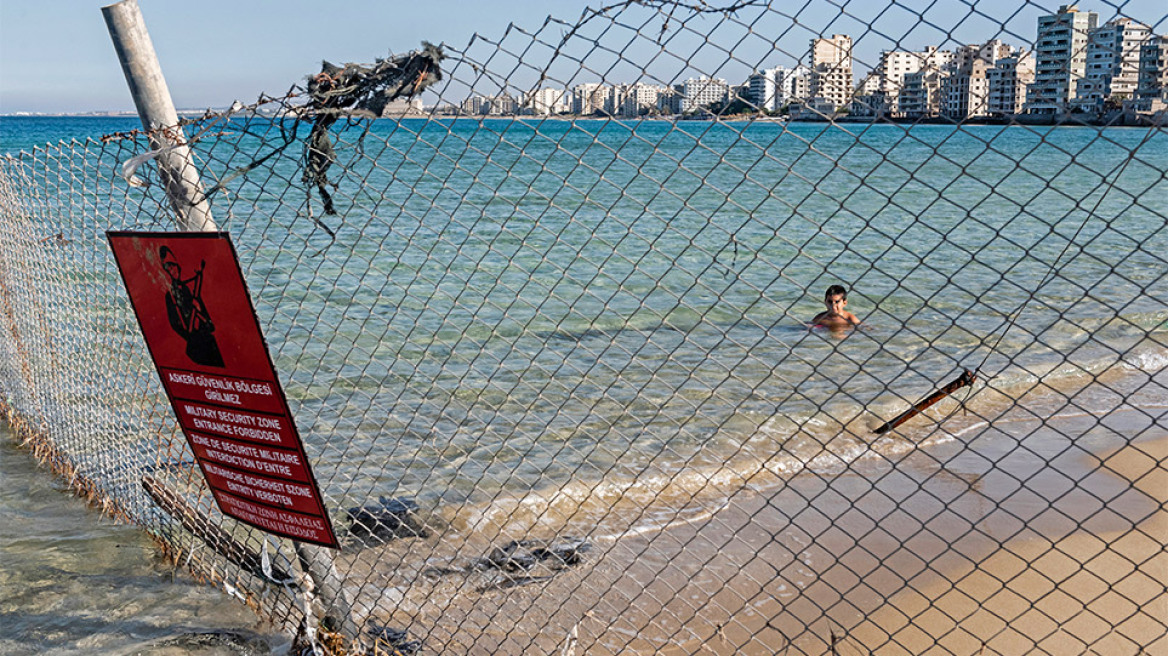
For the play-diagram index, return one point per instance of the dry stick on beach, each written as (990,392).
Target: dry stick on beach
(1107,182)
(967,377)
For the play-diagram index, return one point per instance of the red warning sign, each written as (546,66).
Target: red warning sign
(195,312)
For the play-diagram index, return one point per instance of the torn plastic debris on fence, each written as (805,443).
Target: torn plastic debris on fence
(130,167)
(356,89)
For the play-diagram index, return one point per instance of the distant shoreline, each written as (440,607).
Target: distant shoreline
(86,114)
(1022,120)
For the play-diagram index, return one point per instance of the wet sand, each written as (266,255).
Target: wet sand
(1040,531)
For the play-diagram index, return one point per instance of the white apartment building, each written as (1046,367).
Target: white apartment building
(895,64)
(542,102)
(1060,52)
(615,100)
(475,105)
(404,107)
(831,69)
(965,91)
(761,91)
(791,84)
(921,95)
(632,100)
(588,98)
(1113,62)
(669,101)
(1007,82)
(1153,76)
(867,100)
(869,85)
(640,99)
(773,88)
(503,105)
(990,52)
(698,93)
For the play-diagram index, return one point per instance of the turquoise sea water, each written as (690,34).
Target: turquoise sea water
(516,312)
(557,324)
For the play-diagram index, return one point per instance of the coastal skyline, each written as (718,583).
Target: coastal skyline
(57,57)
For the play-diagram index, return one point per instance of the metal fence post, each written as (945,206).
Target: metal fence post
(181,178)
(159,118)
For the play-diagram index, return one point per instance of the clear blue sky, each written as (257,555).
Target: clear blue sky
(56,55)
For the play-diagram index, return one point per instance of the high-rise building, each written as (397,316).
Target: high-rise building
(796,82)
(475,105)
(831,69)
(588,98)
(869,85)
(503,105)
(921,95)
(990,52)
(632,100)
(867,101)
(965,91)
(644,99)
(669,102)
(895,64)
(404,107)
(1153,74)
(698,93)
(760,91)
(542,102)
(773,88)
(1113,62)
(1007,82)
(614,101)
(1061,55)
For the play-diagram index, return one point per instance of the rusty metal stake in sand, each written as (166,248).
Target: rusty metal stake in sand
(967,377)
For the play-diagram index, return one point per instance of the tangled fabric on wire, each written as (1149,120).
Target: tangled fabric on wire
(355,89)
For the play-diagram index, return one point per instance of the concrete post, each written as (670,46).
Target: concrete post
(176,167)
(159,118)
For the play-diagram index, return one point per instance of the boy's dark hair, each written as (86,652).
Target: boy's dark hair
(836,289)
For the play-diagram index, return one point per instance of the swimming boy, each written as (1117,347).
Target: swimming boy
(836,299)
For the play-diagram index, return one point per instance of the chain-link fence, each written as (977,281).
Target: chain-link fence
(547,337)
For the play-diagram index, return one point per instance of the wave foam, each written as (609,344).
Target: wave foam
(1148,361)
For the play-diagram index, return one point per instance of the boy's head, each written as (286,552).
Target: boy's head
(835,298)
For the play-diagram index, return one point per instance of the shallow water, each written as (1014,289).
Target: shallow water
(74,582)
(600,314)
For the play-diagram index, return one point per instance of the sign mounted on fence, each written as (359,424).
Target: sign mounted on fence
(192,304)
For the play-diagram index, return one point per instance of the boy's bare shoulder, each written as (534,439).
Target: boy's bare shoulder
(829,320)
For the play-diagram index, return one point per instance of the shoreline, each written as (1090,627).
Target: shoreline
(1006,534)
(929,553)
(1018,121)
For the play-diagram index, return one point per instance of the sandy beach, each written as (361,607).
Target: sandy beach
(1035,529)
